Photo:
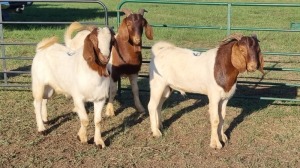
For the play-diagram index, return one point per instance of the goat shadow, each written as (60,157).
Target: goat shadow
(58,121)
(248,106)
(11,75)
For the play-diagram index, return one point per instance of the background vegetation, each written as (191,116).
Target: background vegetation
(262,133)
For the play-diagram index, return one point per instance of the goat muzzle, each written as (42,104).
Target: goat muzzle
(103,59)
(252,66)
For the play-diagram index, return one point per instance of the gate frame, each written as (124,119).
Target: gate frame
(228,28)
(3,58)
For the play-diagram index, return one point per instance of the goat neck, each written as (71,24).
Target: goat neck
(225,73)
(124,59)
(237,56)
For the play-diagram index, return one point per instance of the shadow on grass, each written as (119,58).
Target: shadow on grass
(55,13)
(58,121)
(11,75)
(248,106)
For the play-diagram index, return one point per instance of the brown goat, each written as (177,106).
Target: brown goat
(126,55)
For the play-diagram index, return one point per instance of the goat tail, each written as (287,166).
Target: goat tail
(160,46)
(47,42)
(75,26)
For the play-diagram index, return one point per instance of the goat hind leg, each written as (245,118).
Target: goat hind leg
(38,114)
(38,91)
(48,92)
(158,95)
(112,93)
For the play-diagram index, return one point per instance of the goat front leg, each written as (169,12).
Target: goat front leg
(112,93)
(214,121)
(135,90)
(98,106)
(222,108)
(84,120)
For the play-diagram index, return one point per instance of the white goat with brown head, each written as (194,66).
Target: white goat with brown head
(213,73)
(82,75)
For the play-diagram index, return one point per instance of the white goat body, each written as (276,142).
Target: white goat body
(194,70)
(53,69)
(53,66)
(212,73)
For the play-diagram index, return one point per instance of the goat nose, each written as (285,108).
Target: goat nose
(136,40)
(252,66)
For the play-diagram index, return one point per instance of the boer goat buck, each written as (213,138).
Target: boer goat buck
(82,75)
(213,73)
(126,55)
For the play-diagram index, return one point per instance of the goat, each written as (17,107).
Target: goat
(126,56)
(82,75)
(213,73)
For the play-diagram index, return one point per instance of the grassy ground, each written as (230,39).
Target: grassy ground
(262,133)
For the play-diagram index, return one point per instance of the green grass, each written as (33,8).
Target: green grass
(262,133)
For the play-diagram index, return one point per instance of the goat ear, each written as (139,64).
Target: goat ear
(261,63)
(123,31)
(238,57)
(93,36)
(88,52)
(90,42)
(148,30)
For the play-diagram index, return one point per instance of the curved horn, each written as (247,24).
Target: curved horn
(141,11)
(234,36)
(126,11)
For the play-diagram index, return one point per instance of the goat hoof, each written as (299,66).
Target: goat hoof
(141,109)
(46,122)
(110,110)
(224,138)
(44,133)
(156,134)
(82,141)
(216,145)
(100,146)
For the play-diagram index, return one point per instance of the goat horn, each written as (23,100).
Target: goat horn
(234,36)
(141,11)
(126,11)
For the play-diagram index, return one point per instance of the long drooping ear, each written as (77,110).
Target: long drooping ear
(123,31)
(238,59)
(88,51)
(261,63)
(91,52)
(148,30)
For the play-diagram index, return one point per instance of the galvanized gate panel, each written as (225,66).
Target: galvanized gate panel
(294,84)
(7,66)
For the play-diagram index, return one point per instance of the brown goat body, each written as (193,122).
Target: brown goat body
(127,56)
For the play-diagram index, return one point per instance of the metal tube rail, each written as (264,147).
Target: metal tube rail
(3,57)
(228,27)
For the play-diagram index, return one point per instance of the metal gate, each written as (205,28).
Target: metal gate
(8,69)
(229,29)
